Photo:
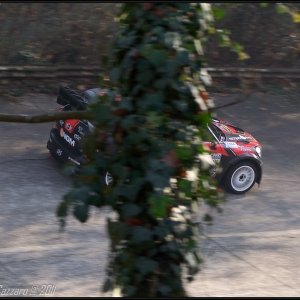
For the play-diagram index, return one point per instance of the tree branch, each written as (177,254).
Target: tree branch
(84,115)
(225,105)
(231,103)
(48,117)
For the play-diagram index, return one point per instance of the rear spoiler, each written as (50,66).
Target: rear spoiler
(240,130)
(66,96)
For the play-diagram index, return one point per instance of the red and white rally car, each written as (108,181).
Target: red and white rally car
(237,156)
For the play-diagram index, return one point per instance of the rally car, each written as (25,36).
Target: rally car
(237,156)
(235,152)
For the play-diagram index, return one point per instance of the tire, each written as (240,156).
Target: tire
(240,178)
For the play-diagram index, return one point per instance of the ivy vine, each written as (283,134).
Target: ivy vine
(149,128)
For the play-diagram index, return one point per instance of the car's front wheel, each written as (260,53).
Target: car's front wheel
(240,178)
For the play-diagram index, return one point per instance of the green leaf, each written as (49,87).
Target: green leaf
(161,83)
(69,169)
(161,231)
(243,55)
(125,42)
(95,200)
(122,16)
(282,8)
(126,103)
(219,13)
(81,212)
(158,180)
(141,234)
(102,113)
(152,101)
(263,4)
(182,58)
(145,78)
(181,106)
(165,290)
(130,190)
(203,118)
(79,193)
(107,286)
(185,186)
(62,209)
(154,119)
(157,57)
(224,39)
(192,263)
(89,170)
(159,205)
(115,75)
(169,247)
(198,258)
(146,265)
(184,153)
(117,231)
(296,17)
(207,218)
(237,47)
(130,210)
(198,46)
(129,291)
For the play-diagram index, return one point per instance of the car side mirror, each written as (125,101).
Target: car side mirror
(213,146)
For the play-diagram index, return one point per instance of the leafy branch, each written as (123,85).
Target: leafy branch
(157,129)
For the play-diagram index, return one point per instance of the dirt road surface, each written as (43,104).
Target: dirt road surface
(250,250)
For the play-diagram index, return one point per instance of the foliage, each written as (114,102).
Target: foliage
(150,142)
(276,45)
(283,8)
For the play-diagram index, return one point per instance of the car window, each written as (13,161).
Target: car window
(216,132)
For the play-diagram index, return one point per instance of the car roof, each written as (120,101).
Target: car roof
(227,128)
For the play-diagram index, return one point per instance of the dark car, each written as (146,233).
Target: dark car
(65,138)
(235,152)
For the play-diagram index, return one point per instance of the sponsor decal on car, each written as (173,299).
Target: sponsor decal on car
(59,152)
(240,137)
(224,128)
(230,144)
(245,149)
(67,138)
(77,137)
(70,125)
(212,171)
(216,157)
(81,131)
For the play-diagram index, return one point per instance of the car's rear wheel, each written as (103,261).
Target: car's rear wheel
(240,178)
